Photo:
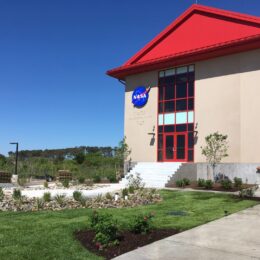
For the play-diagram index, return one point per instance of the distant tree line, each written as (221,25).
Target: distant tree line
(66,153)
(83,161)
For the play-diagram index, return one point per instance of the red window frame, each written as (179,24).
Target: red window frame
(189,129)
(175,159)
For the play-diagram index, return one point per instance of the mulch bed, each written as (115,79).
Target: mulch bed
(127,241)
(216,187)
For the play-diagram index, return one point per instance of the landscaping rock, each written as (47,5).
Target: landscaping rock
(140,197)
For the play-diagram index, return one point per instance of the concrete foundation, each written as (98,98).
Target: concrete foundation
(193,171)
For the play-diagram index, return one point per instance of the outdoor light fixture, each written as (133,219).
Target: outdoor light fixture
(16,155)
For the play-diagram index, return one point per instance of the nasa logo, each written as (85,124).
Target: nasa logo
(140,96)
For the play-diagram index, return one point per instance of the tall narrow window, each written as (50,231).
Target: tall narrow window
(176,112)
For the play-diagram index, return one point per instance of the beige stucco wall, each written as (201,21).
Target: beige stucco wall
(227,100)
(139,122)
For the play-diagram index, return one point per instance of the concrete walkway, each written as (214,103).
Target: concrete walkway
(38,193)
(235,237)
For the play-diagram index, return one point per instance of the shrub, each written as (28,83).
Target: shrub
(112,178)
(201,182)
(186,181)
(39,203)
(83,201)
(65,183)
(238,182)
(17,195)
(97,179)
(60,198)
(180,183)
(226,184)
(131,190)
(141,224)
(1,194)
(81,179)
(208,184)
(46,196)
(22,181)
(135,181)
(77,195)
(98,198)
(109,196)
(89,182)
(125,192)
(248,193)
(46,185)
(106,229)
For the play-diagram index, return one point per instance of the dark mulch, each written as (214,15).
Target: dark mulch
(249,198)
(216,187)
(127,241)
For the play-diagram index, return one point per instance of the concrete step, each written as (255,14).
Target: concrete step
(153,174)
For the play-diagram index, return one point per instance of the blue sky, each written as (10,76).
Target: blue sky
(54,55)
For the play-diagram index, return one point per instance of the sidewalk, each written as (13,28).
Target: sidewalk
(235,237)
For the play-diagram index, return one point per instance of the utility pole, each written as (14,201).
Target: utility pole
(16,156)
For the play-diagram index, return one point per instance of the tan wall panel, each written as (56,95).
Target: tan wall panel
(250,106)
(139,122)
(226,100)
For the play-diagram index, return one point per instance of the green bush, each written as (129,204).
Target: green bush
(180,183)
(39,204)
(186,181)
(1,194)
(17,195)
(97,179)
(131,189)
(22,181)
(106,229)
(226,184)
(112,178)
(208,184)
(46,196)
(238,182)
(66,183)
(248,193)
(201,182)
(60,198)
(46,185)
(77,195)
(141,224)
(124,192)
(83,201)
(109,196)
(81,179)
(135,181)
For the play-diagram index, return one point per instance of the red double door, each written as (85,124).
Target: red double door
(175,147)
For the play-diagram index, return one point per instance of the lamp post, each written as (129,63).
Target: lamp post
(16,156)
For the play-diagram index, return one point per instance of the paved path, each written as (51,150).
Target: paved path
(69,192)
(235,237)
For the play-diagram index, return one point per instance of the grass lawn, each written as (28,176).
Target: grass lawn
(49,235)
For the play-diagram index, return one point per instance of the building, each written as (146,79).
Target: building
(200,75)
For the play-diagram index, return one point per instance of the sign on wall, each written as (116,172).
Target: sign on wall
(140,96)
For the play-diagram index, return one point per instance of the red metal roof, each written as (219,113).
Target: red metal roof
(199,33)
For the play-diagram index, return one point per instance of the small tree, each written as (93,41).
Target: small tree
(215,149)
(122,152)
